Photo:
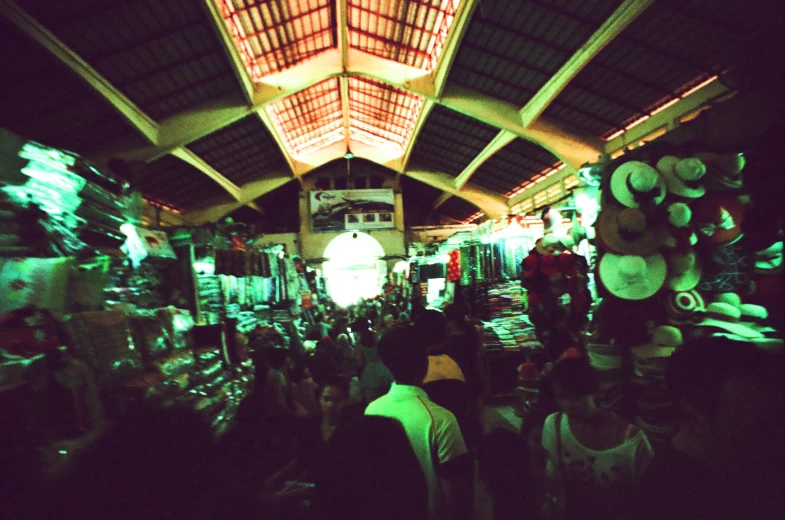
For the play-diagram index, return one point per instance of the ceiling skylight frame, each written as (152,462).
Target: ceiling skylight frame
(310,119)
(412,32)
(272,35)
(382,113)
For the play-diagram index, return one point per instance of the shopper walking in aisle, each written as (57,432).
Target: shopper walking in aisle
(726,461)
(375,379)
(522,480)
(370,472)
(464,345)
(445,382)
(302,389)
(292,483)
(599,456)
(432,430)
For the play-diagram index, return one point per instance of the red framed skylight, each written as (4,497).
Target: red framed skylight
(407,31)
(310,119)
(274,35)
(381,115)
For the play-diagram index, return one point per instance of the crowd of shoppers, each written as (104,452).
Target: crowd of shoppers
(384,420)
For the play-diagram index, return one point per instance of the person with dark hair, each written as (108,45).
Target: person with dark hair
(292,481)
(276,385)
(599,456)
(431,327)
(726,460)
(520,476)
(433,431)
(350,485)
(302,390)
(464,344)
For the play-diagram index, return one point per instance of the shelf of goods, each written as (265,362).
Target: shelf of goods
(509,337)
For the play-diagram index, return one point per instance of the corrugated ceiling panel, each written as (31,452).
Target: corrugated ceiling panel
(458,209)
(275,35)
(44,101)
(407,31)
(512,48)
(163,54)
(310,119)
(381,115)
(175,182)
(449,141)
(513,165)
(666,51)
(418,200)
(242,151)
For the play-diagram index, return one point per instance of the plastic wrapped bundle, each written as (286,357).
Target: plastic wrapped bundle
(177,326)
(104,341)
(86,285)
(175,364)
(149,335)
(34,282)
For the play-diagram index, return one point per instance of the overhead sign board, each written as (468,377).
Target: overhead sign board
(343,210)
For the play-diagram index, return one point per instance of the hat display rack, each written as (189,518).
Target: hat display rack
(684,251)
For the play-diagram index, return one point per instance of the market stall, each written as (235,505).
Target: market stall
(684,253)
(106,316)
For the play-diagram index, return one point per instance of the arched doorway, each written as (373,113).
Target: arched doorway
(353,268)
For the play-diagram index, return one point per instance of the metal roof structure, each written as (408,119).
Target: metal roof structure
(472,103)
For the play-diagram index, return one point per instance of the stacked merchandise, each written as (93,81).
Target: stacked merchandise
(505,300)
(142,287)
(513,333)
(57,204)
(684,253)
(655,412)
(153,356)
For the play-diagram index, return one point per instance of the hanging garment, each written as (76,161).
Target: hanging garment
(454,266)
(465,260)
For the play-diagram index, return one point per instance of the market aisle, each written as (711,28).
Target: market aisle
(494,416)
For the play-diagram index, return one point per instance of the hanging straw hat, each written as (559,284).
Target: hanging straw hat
(723,172)
(769,260)
(685,307)
(625,231)
(665,340)
(756,317)
(728,318)
(730,298)
(635,184)
(684,271)
(633,277)
(718,218)
(683,176)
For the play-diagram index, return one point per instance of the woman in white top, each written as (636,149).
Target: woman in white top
(599,456)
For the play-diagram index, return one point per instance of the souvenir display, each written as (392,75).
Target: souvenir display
(683,254)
